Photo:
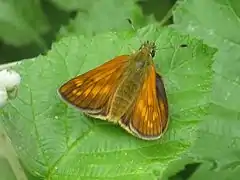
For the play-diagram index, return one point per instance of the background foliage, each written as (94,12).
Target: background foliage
(54,141)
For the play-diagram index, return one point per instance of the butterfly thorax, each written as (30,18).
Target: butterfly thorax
(131,83)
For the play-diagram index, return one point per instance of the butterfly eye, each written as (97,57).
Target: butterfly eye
(153,52)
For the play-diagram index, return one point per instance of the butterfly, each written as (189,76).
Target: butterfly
(125,90)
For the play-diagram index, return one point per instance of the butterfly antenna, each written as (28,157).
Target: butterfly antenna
(131,23)
(134,29)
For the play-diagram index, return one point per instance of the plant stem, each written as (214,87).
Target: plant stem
(9,153)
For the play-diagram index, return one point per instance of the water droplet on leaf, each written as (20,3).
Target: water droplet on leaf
(227,95)
(191,28)
(211,32)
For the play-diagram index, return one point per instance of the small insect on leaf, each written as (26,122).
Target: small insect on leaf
(125,90)
(183,45)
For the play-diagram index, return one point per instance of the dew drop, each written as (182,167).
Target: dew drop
(191,28)
(227,95)
(211,32)
(231,44)
(55,117)
(237,79)
(225,41)
(19,148)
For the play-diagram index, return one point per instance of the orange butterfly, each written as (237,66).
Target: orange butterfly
(125,90)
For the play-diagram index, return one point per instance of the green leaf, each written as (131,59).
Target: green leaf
(72,5)
(103,16)
(22,22)
(56,141)
(218,25)
(180,168)
(10,166)
(222,125)
(206,171)
(216,22)
(5,170)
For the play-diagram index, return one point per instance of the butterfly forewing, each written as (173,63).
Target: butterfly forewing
(91,92)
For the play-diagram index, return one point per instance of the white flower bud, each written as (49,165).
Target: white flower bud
(9,79)
(3,96)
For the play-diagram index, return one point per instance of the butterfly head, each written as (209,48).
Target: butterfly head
(149,48)
(144,55)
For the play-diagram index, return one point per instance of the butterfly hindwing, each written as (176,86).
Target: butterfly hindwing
(148,116)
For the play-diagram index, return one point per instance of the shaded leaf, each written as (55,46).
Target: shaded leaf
(206,172)
(22,22)
(103,16)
